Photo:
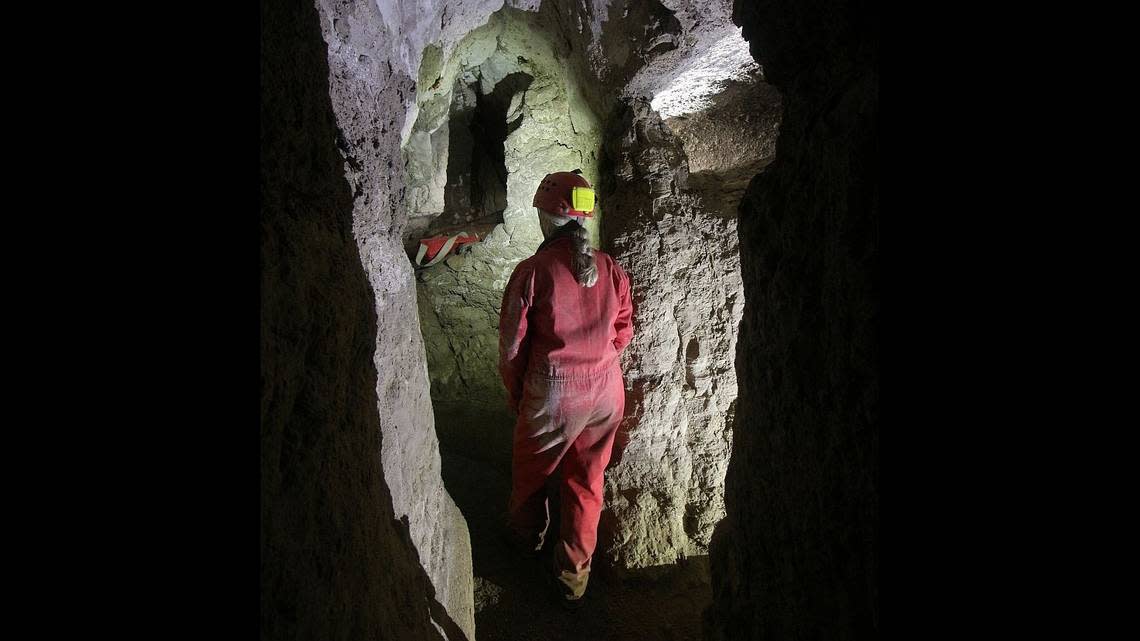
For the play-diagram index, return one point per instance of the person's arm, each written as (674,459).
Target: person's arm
(624,322)
(513,343)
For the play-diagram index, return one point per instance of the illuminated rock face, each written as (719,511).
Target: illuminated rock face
(679,245)
(358,538)
(730,142)
(359,458)
(674,190)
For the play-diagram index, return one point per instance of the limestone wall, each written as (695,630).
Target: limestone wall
(343,553)
(672,191)
(664,493)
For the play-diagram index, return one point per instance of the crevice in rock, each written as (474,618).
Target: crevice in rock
(476,190)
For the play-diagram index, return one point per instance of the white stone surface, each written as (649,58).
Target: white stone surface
(705,76)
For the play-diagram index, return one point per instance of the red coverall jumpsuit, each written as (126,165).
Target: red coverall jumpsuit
(559,344)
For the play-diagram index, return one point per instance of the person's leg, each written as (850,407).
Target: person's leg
(583,476)
(536,453)
(527,511)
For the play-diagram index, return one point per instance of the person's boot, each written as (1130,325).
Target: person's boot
(572,587)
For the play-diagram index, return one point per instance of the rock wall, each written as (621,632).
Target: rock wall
(664,493)
(337,560)
(639,48)
(371,47)
(797,555)
(730,141)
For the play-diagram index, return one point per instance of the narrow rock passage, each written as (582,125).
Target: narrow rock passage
(514,599)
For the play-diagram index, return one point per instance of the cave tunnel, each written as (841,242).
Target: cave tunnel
(476,163)
(747,457)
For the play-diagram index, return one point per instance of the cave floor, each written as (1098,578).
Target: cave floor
(515,601)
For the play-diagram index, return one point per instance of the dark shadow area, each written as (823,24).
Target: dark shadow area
(797,555)
(515,598)
(453,426)
(476,189)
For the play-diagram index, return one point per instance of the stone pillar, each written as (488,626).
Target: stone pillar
(664,493)
(342,554)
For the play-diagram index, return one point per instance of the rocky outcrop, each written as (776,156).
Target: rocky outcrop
(640,48)
(730,141)
(796,557)
(338,558)
(664,494)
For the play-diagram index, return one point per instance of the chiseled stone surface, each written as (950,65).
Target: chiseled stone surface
(374,52)
(664,494)
(337,560)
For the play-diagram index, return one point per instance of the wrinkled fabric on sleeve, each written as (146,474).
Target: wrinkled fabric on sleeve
(514,345)
(623,324)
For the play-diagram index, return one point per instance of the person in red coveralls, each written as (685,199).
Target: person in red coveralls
(565,318)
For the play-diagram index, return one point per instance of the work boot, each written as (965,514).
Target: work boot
(572,587)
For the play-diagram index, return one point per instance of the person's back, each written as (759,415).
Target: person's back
(565,318)
(573,331)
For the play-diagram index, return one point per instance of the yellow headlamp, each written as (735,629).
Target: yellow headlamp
(581,199)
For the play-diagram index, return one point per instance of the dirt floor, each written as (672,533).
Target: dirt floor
(516,600)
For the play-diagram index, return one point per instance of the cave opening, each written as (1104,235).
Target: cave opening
(476,189)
